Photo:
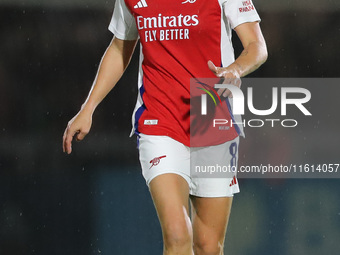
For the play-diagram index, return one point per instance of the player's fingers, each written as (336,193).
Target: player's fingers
(227,93)
(231,81)
(68,143)
(64,139)
(238,82)
(81,135)
(213,68)
(68,137)
(224,92)
(221,91)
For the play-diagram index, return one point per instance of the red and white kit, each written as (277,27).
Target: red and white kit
(177,38)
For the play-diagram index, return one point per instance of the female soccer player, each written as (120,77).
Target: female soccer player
(179,40)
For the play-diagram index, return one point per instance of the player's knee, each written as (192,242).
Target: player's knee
(177,236)
(211,247)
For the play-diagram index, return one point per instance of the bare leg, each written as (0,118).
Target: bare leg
(210,219)
(170,194)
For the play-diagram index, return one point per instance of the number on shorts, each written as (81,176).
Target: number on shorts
(233,153)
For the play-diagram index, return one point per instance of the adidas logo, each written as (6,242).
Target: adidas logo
(141,4)
(233,182)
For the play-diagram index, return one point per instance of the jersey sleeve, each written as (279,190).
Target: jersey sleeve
(240,11)
(123,24)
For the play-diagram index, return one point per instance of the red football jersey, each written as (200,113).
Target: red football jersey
(177,39)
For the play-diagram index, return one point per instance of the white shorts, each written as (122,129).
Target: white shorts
(162,154)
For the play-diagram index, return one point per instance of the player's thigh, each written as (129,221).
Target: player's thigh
(170,194)
(210,218)
(213,170)
(160,155)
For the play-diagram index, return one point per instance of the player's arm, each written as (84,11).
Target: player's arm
(113,64)
(254,52)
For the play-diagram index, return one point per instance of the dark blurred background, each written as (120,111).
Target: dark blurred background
(95,200)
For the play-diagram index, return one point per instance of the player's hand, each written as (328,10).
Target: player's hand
(78,127)
(229,76)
